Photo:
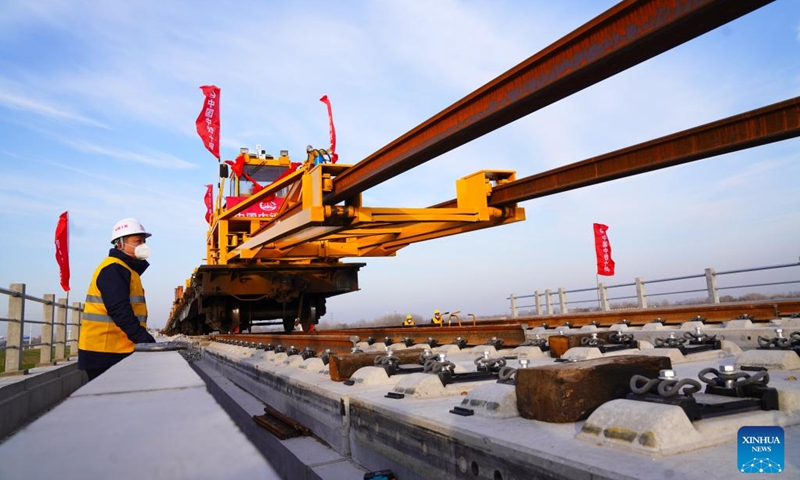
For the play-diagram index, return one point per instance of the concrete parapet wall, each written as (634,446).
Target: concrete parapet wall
(25,397)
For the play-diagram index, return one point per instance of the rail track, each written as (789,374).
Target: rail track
(510,332)
(431,398)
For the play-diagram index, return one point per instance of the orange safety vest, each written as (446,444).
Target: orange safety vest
(99,333)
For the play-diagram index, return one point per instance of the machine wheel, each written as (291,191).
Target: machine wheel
(288,324)
(308,318)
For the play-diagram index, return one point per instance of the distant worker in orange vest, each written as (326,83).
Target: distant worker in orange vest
(437,318)
(409,321)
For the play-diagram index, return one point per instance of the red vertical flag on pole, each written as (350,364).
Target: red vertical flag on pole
(62,249)
(327,102)
(208,120)
(602,248)
(209,202)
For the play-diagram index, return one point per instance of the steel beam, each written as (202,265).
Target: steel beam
(769,124)
(623,36)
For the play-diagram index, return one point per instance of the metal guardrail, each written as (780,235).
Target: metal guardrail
(544,305)
(54,314)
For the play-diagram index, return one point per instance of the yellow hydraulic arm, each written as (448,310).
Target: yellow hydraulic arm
(306,229)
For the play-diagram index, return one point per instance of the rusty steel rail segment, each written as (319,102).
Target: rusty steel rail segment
(769,124)
(623,36)
(773,123)
(343,340)
(511,334)
(510,330)
(712,314)
(317,342)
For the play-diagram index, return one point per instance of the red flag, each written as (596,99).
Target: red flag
(332,151)
(209,202)
(62,249)
(208,120)
(237,166)
(602,248)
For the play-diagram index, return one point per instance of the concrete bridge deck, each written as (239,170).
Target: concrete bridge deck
(155,416)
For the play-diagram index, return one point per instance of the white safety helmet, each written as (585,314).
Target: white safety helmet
(128,226)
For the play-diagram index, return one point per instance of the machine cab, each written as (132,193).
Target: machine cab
(257,171)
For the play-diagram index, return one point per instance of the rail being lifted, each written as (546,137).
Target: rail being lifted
(318,219)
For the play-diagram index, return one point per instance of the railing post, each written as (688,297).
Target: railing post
(562,300)
(14,331)
(61,329)
(603,297)
(711,282)
(548,301)
(514,313)
(46,347)
(640,292)
(74,332)
(538,303)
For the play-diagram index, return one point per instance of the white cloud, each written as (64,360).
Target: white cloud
(23,103)
(153,159)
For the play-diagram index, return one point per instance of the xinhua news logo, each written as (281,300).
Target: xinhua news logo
(760,450)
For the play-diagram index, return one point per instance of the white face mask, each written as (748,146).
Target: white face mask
(142,251)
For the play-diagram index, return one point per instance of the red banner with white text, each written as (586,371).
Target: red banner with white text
(602,248)
(62,249)
(208,120)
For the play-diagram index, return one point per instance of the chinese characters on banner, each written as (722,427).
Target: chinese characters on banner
(208,120)
(62,249)
(209,202)
(332,151)
(266,208)
(602,247)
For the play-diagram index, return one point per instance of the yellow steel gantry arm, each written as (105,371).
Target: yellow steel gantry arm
(306,229)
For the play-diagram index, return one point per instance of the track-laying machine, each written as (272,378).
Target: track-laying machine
(275,243)
(274,254)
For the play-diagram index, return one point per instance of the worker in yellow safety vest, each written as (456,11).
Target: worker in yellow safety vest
(409,321)
(437,318)
(115,314)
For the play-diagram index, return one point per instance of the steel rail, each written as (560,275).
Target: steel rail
(712,314)
(623,36)
(343,340)
(301,341)
(511,334)
(772,123)
(510,331)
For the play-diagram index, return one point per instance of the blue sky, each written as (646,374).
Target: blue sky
(98,102)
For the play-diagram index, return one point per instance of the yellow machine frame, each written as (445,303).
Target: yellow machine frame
(306,230)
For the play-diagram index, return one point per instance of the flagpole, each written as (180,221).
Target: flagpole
(67,316)
(597,284)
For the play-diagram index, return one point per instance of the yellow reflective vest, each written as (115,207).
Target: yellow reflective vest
(436,320)
(99,333)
